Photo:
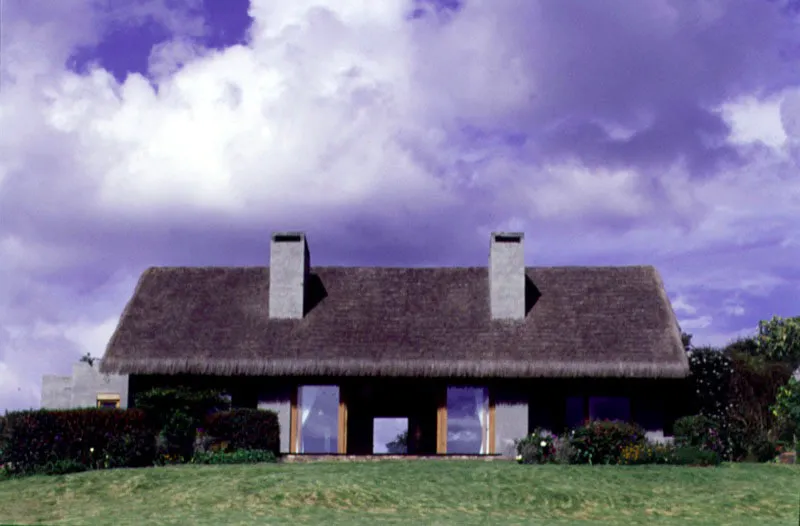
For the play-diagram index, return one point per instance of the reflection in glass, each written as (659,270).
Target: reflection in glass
(650,415)
(609,408)
(574,416)
(390,435)
(318,410)
(468,420)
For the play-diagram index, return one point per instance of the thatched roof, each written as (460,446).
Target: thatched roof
(583,321)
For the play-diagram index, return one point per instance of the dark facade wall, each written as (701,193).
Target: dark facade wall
(654,403)
(520,405)
(253,392)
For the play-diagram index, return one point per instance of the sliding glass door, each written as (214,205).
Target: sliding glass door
(318,419)
(468,428)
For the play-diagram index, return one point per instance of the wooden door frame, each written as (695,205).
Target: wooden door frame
(441,421)
(294,420)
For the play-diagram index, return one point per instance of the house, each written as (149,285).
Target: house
(469,358)
(85,387)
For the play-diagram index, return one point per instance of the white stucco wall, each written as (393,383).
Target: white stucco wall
(82,387)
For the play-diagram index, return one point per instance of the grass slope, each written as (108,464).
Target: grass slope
(408,492)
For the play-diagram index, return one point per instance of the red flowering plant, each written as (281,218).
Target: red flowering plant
(602,442)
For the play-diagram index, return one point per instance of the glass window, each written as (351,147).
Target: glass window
(468,420)
(575,415)
(650,414)
(318,412)
(609,408)
(390,435)
(108,400)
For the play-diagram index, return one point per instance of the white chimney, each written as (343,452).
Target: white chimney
(288,275)
(507,276)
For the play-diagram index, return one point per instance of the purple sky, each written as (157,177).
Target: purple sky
(183,132)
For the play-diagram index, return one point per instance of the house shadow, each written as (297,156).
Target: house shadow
(532,294)
(315,292)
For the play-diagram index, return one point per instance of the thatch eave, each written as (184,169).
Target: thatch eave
(397,368)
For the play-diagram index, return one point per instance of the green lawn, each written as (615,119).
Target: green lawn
(409,492)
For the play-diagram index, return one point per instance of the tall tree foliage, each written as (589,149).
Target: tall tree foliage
(779,340)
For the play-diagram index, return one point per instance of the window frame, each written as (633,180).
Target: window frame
(441,420)
(586,405)
(294,421)
(104,398)
(627,399)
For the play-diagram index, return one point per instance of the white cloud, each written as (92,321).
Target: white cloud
(790,114)
(721,339)
(336,110)
(695,323)
(733,306)
(754,120)
(680,304)
(298,122)
(14,386)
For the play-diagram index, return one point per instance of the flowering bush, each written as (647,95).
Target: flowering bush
(602,442)
(537,448)
(166,459)
(711,374)
(700,432)
(646,453)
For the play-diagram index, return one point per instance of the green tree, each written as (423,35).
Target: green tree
(178,411)
(686,338)
(779,340)
(787,410)
(742,347)
(399,445)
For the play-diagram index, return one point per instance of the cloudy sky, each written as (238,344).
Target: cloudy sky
(182,132)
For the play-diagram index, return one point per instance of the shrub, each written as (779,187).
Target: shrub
(38,438)
(537,448)
(646,453)
(753,389)
(241,456)
(695,456)
(252,429)
(130,450)
(601,442)
(564,452)
(177,412)
(168,459)
(761,449)
(61,467)
(698,431)
(3,437)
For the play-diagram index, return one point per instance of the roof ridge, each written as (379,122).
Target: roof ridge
(381,267)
